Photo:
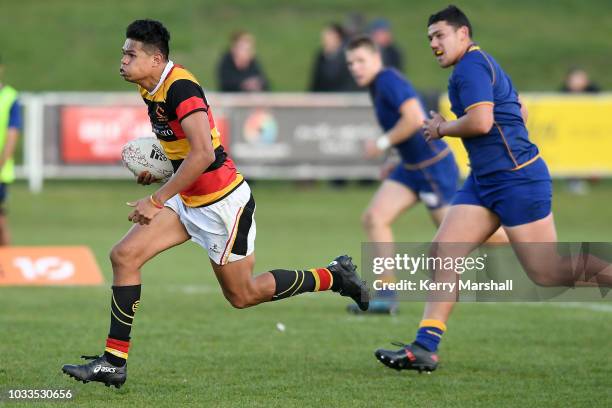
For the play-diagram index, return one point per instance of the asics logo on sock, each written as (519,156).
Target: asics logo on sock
(99,368)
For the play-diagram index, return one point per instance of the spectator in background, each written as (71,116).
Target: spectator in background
(238,70)
(10,126)
(330,73)
(354,24)
(577,81)
(380,31)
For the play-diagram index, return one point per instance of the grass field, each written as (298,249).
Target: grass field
(190,348)
(534,41)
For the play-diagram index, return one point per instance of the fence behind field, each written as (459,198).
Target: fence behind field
(284,136)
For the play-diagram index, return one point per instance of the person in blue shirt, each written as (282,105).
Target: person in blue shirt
(509,185)
(427,171)
(10,127)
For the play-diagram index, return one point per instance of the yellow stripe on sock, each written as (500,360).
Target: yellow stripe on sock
(113,313)
(117,353)
(316,278)
(119,309)
(294,282)
(299,286)
(433,333)
(433,323)
(331,278)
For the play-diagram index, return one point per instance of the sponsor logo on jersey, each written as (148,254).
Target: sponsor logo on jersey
(160,114)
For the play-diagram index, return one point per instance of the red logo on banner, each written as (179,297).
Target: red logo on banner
(97,134)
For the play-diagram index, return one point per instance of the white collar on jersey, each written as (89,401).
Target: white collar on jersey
(164,74)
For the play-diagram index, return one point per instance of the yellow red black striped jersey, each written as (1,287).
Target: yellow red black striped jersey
(177,96)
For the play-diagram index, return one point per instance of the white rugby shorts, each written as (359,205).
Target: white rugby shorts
(226,229)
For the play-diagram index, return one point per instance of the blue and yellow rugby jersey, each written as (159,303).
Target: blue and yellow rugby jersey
(177,96)
(478,79)
(389,91)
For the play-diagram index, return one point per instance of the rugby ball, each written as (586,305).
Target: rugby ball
(146,154)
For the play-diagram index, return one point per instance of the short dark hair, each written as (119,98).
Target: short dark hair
(453,16)
(337,29)
(151,33)
(361,41)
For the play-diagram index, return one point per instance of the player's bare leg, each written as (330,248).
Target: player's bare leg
(546,267)
(467,224)
(5,237)
(464,228)
(243,290)
(239,287)
(389,202)
(437,215)
(141,243)
(498,237)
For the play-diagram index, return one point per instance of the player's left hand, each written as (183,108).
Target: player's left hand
(145,178)
(431,126)
(371,151)
(144,211)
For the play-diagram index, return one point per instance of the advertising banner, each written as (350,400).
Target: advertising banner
(48,266)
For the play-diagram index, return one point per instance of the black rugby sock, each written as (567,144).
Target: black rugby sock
(124,303)
(292,283)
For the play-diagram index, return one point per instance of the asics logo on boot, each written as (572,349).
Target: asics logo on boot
(104,369)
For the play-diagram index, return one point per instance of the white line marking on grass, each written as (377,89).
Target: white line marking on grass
(194,289)
(597,307)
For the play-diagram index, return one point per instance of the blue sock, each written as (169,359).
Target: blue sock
(430,333)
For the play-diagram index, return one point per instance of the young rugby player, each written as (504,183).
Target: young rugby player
(427,171)
(207,201)
(10,129)
(509,184)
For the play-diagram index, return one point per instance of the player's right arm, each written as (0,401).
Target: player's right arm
(397,92)
(411,120)
(477,121)
(474,84)
(187,99)
(201,155)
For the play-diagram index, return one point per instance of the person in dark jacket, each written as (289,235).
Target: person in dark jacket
(238,70)
(329,72)
(380,31)
(577,81)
